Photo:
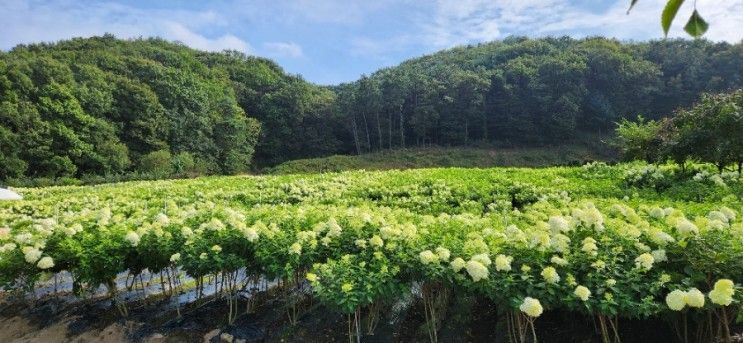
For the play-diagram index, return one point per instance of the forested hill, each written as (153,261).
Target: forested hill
(103,106)
(532,91)
(107,106)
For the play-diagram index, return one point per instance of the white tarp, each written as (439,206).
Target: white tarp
(9,195)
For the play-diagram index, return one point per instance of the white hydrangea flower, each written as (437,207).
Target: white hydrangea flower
(325,241)
(642,246)
(482,258)
(477,270)
(186,231)
(560,243)
(582,292)
(361,243)
(531,307)
(676,300)
(295,249)
(31,254)
(175,257)
(717,215)
(334,230)
(662,238)
(457,264)
(7,247)
(729,213)
(657,213)
(558,224)
(550,275)
(45,262)
(723,292)
(644,261)
(132,237)
(251,234)
(376,241)
(558,260)
(443,253)
(428,257)
(694,298)
(716,225)
(686,227)
(589,246)
(23,238)
(4,233)
(503,263)
(659,255)
(162,219)
(599,264)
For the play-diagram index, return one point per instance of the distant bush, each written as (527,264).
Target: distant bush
(157,163)
(183,163)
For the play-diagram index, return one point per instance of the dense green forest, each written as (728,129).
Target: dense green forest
(104,106)
(108,106)
(533,92)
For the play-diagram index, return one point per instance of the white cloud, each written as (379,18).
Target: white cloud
(181,33)
(466,21)
(337,11)
(31,21)
(283,49)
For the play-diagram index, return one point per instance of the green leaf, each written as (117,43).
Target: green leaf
(669,12)
(696,26)
(632,4)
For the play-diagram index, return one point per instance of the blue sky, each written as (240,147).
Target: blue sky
(333,41)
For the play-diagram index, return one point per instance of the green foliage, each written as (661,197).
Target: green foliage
(448,157)
(527,92)
(100,102)
(157,162)
(669,12)
(97,106)
(183,163)
(577,240)
(695,27)
(711,131)
(639,140)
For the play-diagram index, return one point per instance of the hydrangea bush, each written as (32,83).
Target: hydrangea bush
(529,240)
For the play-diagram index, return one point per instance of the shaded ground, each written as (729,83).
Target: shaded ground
(468,320)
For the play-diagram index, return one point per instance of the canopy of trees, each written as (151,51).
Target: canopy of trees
(107,106)
(532,91)
(711,131)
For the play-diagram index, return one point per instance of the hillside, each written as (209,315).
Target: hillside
(447,157)
(103,105)
(530,92)
(148,108)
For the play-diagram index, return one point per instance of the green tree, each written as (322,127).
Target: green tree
(639,139)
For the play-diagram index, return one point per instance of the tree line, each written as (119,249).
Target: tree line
(531,91)
(105,106)
(711,131)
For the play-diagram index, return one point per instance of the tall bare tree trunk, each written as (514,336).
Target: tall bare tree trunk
(402,128)
(389,131)
(485,127)
(356,136)
(466,130)
(366,129)
(379,131)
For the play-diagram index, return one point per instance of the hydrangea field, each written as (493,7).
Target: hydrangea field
(610,243)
